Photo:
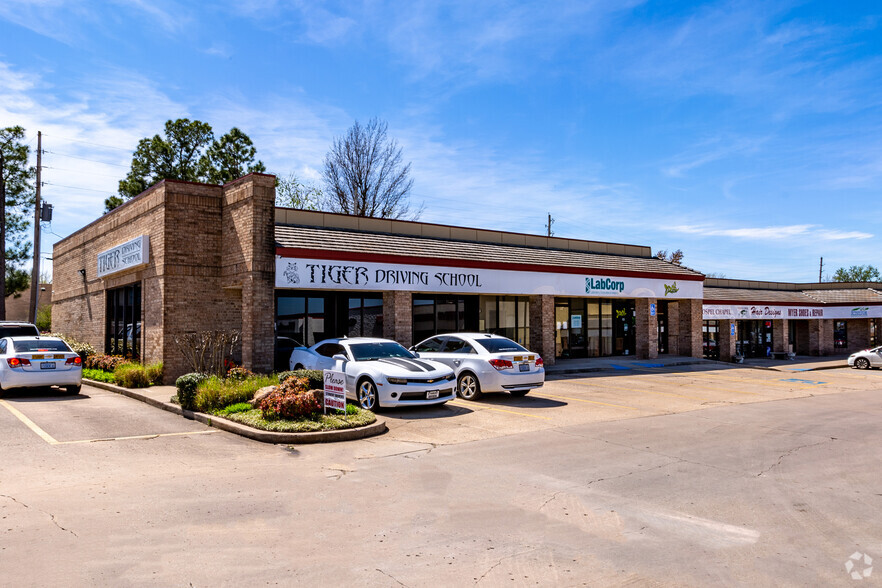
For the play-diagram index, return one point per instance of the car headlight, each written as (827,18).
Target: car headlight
(396,380)
(450,376)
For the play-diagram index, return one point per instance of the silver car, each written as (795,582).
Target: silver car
(866,359)
(485,363)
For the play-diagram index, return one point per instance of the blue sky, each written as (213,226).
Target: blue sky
(746,134)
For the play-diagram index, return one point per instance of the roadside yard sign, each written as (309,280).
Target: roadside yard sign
(335,392)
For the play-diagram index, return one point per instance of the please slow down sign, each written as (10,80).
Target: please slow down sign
(335,392)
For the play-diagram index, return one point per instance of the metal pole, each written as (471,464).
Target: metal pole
(35,273)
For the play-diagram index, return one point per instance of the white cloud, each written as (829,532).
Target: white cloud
(772,233)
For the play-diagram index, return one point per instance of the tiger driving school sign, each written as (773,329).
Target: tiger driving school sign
(335,391)
(316,274)
(124,256)
(749,312)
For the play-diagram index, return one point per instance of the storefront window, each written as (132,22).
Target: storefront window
(123,327)
(508,316)
(840,335)
(874,332)
(710,332)
(443,314)
(661,314)
(365,317)
(588,327)
(309,317)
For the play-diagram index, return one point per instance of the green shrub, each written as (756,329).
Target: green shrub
(186,386)
(316,378)
(154,373)
(214,393)
(99,376)
(43,320)
(130,375)
(239,374)
(108,363)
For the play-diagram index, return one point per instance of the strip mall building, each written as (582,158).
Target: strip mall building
(184,257)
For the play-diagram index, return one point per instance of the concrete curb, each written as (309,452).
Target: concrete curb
(376,428)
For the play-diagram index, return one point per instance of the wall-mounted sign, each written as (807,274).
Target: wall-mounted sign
(351,275)
(732,312)
(652,309)
(124,256)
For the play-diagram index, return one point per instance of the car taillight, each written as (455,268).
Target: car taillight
(540,362)
(15,362)
(501,364)
(74,360)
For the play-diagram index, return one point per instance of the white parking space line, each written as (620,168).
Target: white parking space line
(29,423)
(52,441)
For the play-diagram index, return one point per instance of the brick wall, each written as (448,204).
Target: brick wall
(673,328)
(647,329)
(542,325)
(210,268)
(690,338)
(398,317)
(726,340)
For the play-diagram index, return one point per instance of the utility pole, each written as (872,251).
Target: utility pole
(821,271)
(35,274)
(2,235)
(548,226)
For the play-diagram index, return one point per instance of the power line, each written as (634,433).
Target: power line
(76,188)
(77,171)
(84,158)
(89,143)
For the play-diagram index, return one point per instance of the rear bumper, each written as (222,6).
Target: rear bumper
(34,379)
(496,381)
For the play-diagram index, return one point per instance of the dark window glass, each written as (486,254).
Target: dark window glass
(40,345)
(840,334)
(19,331)
(368,351)
(455,345)
(2,346)
(499,345)
(123,321)
(330,349)
(429,345)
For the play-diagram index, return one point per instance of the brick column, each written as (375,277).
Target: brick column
(673,328)
(647,328)
(727,340)
(542,326)
(398,317)
(690,328)
(780,335)
(821,337)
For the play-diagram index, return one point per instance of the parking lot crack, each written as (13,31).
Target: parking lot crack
(499,562)
(790,452)
(400,583)
(48,514)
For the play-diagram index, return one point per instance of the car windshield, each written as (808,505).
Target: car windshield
(28,345)
(18,331)
(499,345)
(369,351)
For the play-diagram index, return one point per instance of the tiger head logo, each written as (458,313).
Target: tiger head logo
(291,273)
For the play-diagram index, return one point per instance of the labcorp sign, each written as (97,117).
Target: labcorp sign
(124,256)
(321,274)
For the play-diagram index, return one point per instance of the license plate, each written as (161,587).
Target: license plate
(47,365)
(524,367)
(432,394)
(35,356)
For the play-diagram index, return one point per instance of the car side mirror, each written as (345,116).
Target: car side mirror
(415,354)
(340,357)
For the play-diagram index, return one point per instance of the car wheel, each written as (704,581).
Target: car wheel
(367,395)
(74,389)
(519,393)
(468,386)
(862,363)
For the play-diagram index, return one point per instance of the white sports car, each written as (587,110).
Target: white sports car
(485,363)
(379,373)
(866,359)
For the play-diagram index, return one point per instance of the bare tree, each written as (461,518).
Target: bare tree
(365,176)
(675,257)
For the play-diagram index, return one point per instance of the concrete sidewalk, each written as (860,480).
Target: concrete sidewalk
(801,363)
(618,363)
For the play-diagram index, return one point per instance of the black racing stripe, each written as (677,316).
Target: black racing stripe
(400,363)
(423,365)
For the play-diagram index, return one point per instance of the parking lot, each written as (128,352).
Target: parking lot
(690,475)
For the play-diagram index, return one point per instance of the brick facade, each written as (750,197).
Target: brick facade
(398,317)
(690,336)
(210,268)
(542,327)
(647,328)
(726,340)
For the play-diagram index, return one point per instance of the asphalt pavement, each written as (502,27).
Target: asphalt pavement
(711,477)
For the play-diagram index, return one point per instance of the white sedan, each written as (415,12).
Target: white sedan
(379,373)
(39,362)
(485,363)
(866,359)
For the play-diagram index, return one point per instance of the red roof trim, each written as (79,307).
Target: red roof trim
(471,263)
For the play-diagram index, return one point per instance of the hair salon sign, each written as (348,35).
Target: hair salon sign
(318,274)
(124,256)
(759,311)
